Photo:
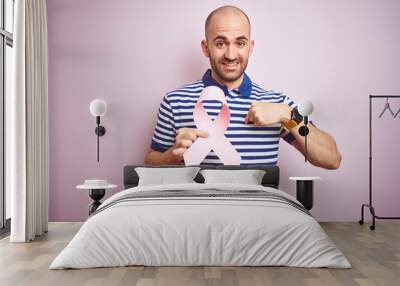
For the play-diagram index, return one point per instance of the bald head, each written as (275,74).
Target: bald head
(227,44)
(226,13)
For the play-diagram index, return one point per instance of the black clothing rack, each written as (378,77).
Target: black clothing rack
(371,208)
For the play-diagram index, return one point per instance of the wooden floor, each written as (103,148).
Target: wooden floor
(374,255)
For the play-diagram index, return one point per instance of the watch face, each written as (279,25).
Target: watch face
(296,115)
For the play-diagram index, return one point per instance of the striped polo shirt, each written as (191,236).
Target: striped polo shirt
(257,145)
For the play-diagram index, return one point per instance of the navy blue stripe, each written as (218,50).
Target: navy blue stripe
(158,147)
(214,164)
(258,164)
(240,108)
(257,150)
(179,100)
(252,135)
(254,128)
(163,139)
(255,143)
(189,126)
(214,157)
(244,164)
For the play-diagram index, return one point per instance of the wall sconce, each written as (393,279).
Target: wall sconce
(305,109)
(98,108)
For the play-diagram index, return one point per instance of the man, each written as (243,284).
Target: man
(257,115)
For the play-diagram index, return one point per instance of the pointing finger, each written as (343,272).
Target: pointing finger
(201,133)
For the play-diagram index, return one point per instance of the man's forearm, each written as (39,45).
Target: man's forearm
(162,158)
(321,147)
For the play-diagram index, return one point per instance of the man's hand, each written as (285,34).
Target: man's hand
(266,113)
(174,155)
(185,138)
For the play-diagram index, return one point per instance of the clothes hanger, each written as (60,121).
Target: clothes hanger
(387,106)
(398,111)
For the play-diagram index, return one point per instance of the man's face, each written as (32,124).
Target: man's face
(228,46)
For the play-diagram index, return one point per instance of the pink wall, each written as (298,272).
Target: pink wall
(131,53)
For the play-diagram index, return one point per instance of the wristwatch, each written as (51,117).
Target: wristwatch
(295,119)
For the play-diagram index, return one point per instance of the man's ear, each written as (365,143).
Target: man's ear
(204,47)
(251,47)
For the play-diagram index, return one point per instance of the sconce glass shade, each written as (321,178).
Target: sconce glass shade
(305,107)
(98,107)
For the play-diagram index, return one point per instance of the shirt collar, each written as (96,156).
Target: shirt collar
(244,88)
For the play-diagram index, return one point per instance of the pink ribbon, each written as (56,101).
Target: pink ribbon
(216,128)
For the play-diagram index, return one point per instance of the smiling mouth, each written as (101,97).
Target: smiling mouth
(230,66)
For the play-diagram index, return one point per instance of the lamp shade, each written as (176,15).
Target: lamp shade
(98,107)
(305,107)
